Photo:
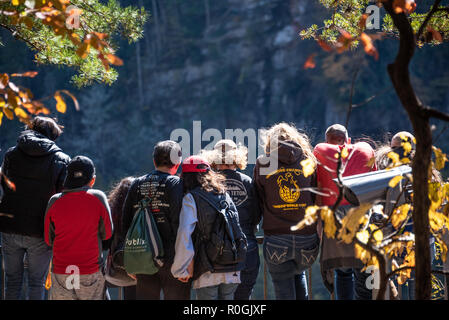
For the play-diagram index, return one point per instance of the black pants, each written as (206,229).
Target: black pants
(149,286)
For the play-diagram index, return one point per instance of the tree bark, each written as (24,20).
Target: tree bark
(400,77)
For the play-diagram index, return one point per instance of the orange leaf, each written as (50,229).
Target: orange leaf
(8,113)
(114,59)
(8,182)
(75,101)
(362,21)
(344,41)
(60,103)
(310,63)
(368,45)
(406,6)
(324,45)
(21,113)
(30,74)
(4,79)
(435,34)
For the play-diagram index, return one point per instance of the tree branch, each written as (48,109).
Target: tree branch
(434,113)
(428,17)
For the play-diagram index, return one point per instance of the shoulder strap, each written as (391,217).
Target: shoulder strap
(221,207)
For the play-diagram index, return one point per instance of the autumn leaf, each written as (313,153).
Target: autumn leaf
(114,59)
(344,153)
(30,74)
(368,46)
(328,218)
(393,182)
(344,41)
(310,217)
(351,222)
(362,21)
(363,236)
(21,113)
(8,182)
(324,45)
(75,101)
(4,79)
(60,103)
(406,6)
(371,162)
(400,214)
(8,113)
(394,157)
(440,158)
(310,63)
(308,167)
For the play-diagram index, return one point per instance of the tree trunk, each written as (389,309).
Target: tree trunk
(400,77)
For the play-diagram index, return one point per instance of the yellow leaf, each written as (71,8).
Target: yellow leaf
(378,236)
(393,156)
(407,146)
(308,167)
(310,217)
(440,158)
(329,222)
(344,153)
(352,221)
(400,214)
(363,236)
(60,104)
(15,2)
(21,113)
(8,113)
(393,182)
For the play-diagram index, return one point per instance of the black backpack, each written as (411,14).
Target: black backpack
(227,244)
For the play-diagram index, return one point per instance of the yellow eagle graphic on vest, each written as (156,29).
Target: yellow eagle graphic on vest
(288,188)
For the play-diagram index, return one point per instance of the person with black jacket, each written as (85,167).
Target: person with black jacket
(37,167)
(284,192)
(165,191)
(225,158)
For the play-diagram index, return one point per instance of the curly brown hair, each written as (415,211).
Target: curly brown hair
(116,199)
(209,181)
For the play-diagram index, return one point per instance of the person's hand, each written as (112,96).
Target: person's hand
(190,273)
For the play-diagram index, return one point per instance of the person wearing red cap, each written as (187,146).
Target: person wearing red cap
(217,282)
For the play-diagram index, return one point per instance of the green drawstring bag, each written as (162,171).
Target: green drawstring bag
(143,251)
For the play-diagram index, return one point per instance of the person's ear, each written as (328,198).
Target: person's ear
(92,182)
(349,141)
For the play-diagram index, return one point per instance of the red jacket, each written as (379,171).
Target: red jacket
(359,156)
(76,222)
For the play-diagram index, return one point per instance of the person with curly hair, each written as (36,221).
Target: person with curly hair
(284,192)
(226,158)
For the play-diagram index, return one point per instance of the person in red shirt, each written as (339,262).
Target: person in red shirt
(76,222)
(336,255)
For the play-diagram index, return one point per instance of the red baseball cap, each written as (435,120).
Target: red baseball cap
(195,164)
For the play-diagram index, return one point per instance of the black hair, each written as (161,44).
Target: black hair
(167,154)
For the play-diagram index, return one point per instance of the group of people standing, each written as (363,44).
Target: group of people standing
(55,218)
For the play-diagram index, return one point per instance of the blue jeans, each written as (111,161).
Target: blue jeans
(223,291)
(248,275)
(287,257)
(350,282)
(14,248)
